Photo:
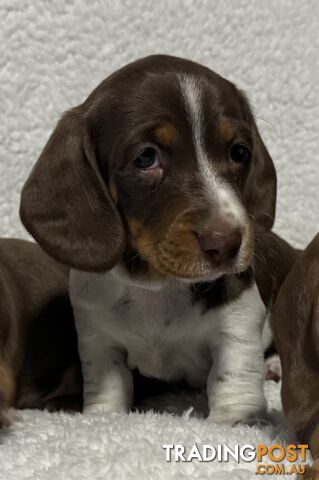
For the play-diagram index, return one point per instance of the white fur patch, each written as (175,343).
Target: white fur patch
(218,192)
(192,94)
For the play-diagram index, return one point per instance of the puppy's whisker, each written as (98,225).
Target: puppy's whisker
(261,258)
(267,214)
(264,120)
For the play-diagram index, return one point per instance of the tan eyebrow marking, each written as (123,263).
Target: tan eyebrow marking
(166,134)
(113,191)
(226,129)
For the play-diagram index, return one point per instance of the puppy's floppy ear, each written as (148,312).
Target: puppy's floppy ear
(65,204)
(261,187)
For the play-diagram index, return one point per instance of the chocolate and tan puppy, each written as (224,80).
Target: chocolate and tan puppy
(296,328)
(152,190)
(39,364)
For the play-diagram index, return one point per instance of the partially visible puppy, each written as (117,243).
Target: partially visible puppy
(39,364)
(274,258)
(296,328)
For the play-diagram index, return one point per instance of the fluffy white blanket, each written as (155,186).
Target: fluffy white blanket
(46,446)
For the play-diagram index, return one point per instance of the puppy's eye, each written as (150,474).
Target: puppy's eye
(239,153)
(147,160)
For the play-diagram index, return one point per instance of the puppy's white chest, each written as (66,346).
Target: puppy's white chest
(164,338)
(162,333)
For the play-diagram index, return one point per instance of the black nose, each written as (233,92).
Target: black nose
(221,244)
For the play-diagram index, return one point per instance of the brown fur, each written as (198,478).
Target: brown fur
(273,260)
(296,329)
(7,393)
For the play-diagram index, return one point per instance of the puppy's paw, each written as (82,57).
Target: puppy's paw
(223,417)
(233,419)
(103,408)
(273,368)
(234,414)
(8,416)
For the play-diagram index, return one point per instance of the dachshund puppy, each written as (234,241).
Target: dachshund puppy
(151,191)
(39,363)
(296,328)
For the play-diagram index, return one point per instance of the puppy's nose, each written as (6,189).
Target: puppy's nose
(221,244)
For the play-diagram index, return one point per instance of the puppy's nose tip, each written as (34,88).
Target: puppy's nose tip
(220,245)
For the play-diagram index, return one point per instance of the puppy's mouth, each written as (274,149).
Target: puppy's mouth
(181,254)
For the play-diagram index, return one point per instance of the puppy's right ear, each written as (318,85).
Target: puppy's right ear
(65,203)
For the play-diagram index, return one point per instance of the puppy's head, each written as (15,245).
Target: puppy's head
(161,169)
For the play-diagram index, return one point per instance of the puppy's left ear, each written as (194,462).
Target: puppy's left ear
(66,204)
(261,188)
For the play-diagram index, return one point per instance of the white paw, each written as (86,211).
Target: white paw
(239,413)
(102,408)
(232,418)
(9,416)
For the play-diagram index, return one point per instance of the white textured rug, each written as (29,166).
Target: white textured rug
(57,446)
(52,54)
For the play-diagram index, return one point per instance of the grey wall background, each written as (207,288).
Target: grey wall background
(53,53)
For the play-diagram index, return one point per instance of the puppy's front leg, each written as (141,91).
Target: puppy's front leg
(108,382)
(235,383)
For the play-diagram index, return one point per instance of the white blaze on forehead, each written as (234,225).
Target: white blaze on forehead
(218,191)
(192,94)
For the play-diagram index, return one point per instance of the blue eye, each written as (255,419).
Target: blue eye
(146,159)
